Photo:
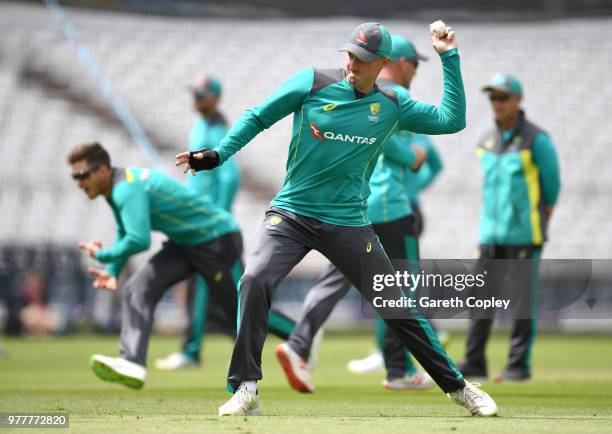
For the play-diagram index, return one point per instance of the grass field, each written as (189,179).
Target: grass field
(571,391)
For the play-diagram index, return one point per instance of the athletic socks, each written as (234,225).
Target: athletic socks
(250,386)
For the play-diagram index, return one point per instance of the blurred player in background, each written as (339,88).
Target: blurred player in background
(202,237)
(341,121)
(390,211)
(218,186)
(520,189)
(405,59)
(215,186)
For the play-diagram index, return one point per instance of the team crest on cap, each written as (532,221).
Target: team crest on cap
(374,112)
(362,37)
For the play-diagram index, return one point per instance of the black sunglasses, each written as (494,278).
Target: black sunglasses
(84,174)
(502,98)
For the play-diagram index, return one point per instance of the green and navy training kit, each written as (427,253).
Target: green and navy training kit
(521,179)
(215,186)
(143,200)
(339,134)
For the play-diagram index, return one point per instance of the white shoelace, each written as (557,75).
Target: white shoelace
(242,396)
(473,397)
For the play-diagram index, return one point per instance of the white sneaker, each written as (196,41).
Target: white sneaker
(118,370)
(296,369)
(174,361)
(419,381)
(314,350)
(373,363)
(476,401)
(243,403)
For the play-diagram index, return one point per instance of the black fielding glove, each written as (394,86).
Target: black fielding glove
(209,162)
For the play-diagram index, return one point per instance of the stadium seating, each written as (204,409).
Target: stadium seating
(49,102)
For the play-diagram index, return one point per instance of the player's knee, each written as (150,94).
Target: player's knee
(252,284)
(136,289)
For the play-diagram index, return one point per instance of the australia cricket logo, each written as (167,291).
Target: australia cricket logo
(374,112)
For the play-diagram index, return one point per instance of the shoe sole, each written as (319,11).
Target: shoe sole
(475,412)
(251,412)
(484,415)
(294,381)
(106,373)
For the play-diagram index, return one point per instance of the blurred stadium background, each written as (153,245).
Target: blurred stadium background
(149,51)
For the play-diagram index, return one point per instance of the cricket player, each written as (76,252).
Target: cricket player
(202,237)
(218,187)
(520,189)
(390,211)
(341,122)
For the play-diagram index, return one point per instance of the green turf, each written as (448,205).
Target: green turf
(571,391)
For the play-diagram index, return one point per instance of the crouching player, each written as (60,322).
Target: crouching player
(202,237)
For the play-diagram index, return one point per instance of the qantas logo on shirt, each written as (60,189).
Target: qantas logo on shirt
(317,134)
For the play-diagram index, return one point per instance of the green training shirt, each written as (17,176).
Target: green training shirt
(143,200)
(338,135)
(521,179)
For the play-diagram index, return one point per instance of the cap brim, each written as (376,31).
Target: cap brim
(502,89)
(199,92)
(419,56)
(361,53)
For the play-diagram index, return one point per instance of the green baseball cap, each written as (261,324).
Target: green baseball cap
(507,83)
(369,41)
(206,86)
(402,48)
